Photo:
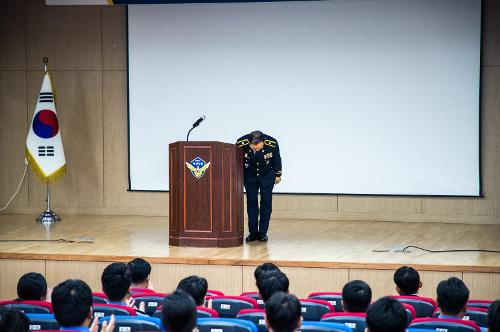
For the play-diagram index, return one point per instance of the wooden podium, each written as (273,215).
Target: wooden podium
(206,194)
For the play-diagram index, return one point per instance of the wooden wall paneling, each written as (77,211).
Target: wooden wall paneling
(491,30)
(70,36)
(114,39)
(90,272)
(304,281)
(248,279)
(79,109)
(430,280)
(10,272)
(380,281)
(380,204)
(227,279)
(116,152)
(483,285)
(13,136)
(12,35)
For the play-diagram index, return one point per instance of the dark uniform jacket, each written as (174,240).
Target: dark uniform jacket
(261,162)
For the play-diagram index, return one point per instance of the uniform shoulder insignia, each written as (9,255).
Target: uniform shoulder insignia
(242,142)
(270,143)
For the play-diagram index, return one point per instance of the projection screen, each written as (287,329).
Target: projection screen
(363,96)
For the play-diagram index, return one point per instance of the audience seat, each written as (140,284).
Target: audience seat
(28,307)
(229,306)
(256,316)
(335,299)
(134,323)
(103,310)
(313,309)
(99,297)
(324,327)
(424,306)
(225,325)
(256,297)
(213,292)
(355,320)
(474,314)
(410,312)
(485,304)
(204,312)
(42,322)
(135,290)
(443,324)
(151,301)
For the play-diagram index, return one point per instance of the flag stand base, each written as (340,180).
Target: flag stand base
(48,217)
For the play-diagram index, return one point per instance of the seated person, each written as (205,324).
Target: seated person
(452,297)
(196,287)
(178,313)
(494,317)
(140,273)
(116,280)
(14,321)
(386,315)
(356,296)
(72,305)
(32,286)
(407,281)
(283,313)
(271,282)
(263,268)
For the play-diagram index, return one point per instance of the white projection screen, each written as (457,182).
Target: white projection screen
(364,96)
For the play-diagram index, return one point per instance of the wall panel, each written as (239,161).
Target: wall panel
(483,285)
(10,272)
(12,35)
(90,272)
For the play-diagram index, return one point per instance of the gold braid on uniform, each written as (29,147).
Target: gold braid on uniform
(270,143)
(242,143)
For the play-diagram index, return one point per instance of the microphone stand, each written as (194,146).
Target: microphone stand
(189,132)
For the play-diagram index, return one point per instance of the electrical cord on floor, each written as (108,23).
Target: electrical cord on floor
(18,188)
(55,240)
(450,250)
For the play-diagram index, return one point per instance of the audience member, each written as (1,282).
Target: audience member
(452,297)
(179,312)
(196,287)
(386,315)
(263,268)
(72,305)
(14,321)
(32,286)
(116,280)
(494,317)
(407,281)
(356,296)
(140,274)
(283,313)
(271,282)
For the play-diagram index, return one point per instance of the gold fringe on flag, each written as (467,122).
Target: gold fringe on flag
(53,177)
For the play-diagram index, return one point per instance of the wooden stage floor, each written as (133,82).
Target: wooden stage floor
(304,243)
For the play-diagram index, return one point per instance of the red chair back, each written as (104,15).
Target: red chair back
(335,299)
(98,297)
(151,301)
(102,310)
(256,316)
(229,306)
(28,307)
(485,304)
(450,325)
(204,312)
(355,320)
(313,309)
(256,297)
(424,306)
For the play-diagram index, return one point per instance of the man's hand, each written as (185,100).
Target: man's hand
(277,180)
(106,327)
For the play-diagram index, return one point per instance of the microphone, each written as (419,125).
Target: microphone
(196,124)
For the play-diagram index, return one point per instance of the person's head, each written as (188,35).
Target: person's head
(407,281)
(140,271)
(356,296)
(386,315)
(272,282)
(196,287)
(116,281)
(72,303)
(32,286)
(494,317)
(14,321)
(263,268)
(179,312)
(452,297)
(256,140)
(283,313)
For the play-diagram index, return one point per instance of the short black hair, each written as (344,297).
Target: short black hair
(271,282)
(116,280)
(356,296)
(179,312)
(196,287)
(283,312)
(139,269)
(263,268)
(386,315)
(452,296)
(407,279)
(256,137)
(32,286)
(494,317)
(14,321)
(71,302)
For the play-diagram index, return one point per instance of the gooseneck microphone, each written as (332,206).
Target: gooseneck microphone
(196,124)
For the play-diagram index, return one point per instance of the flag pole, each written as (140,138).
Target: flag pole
(48,216)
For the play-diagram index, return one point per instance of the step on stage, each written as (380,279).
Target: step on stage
(317,255)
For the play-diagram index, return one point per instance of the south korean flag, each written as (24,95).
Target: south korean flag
(44,148)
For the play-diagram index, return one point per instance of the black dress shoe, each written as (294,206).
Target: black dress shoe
(251,238)
(263,238)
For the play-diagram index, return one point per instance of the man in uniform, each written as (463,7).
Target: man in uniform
(262,165)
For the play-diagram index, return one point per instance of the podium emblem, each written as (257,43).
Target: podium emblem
(198,167)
